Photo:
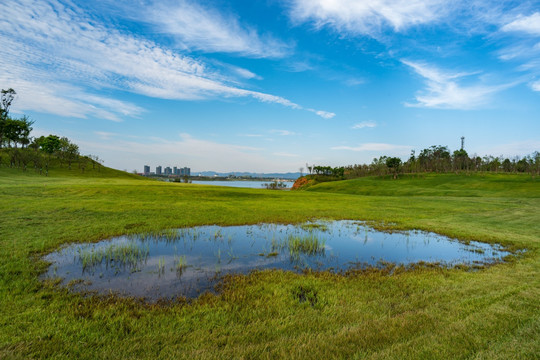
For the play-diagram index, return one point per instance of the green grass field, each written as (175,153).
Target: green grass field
(426,313)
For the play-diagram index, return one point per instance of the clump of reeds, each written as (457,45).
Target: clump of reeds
(180,263)
(309,244)
(169,235)
(161,265)
(129,255)
(314,226)
(277,244)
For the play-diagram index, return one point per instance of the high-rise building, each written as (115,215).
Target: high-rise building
(185,171)
(158,170)
(168,170)
(175,171)
(146,170)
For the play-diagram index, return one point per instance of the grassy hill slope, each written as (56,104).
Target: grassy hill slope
(83,168)
(430,184)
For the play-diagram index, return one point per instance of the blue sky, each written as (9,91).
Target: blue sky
(271,85)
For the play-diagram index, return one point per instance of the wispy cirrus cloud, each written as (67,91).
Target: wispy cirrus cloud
(375,147)
(105,135)
(323,114)
(284,154)
(517,148)
(198,27)
(283,132)
(245,73)
(61,61)
(524,33)
(186,150)
(525,49)
(366,17)
(60,98)
(519,51)
(526,24)
(364,124)
(444,92)
(250,135)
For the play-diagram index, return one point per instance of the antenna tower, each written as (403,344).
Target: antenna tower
(462,142)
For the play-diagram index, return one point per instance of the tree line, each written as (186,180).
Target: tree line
(24,151)
(437,159)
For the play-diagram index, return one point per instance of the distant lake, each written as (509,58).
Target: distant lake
(240,183)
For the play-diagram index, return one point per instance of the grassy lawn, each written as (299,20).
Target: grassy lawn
(493,313)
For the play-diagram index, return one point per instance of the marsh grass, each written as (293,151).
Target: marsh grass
(314,226)
(161,265)
(180,263)
(126,255)
(232,256)
(307,244)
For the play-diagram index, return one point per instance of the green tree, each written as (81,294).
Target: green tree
(435,158)
(17,131)
(6,98)
(460,159)
(394,164)
(378,166)
(507,165)
(72,153)
(49,144)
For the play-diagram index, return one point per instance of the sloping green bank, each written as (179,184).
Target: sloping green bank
(430,184)
(425,313)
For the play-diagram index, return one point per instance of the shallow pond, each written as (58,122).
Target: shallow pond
(187,262)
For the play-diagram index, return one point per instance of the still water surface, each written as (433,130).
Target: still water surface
(188,262)
(241,184)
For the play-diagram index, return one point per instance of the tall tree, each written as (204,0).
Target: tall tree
(49,144)
(394,164)
(6,98)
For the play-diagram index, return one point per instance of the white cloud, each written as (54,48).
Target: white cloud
(198,154)
(444,92)
(269,98)
(201,28)
(250,135)
(524,49)
(364,124)
(245,73)
(375,147)
(57,58)
(283,132)
(520,50)
(527,24)
(518,148)
(366,17)
(104,135)
(284,154)
(354,81)
(65,100)
(323,114)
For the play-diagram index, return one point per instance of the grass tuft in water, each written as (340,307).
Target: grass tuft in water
(161,265)
(180,264)
(314,226)
(309,244)
(129,255)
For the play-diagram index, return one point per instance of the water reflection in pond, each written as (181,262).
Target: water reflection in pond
(187,262)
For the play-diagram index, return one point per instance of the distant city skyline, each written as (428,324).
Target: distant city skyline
(269,86)
(160,170)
